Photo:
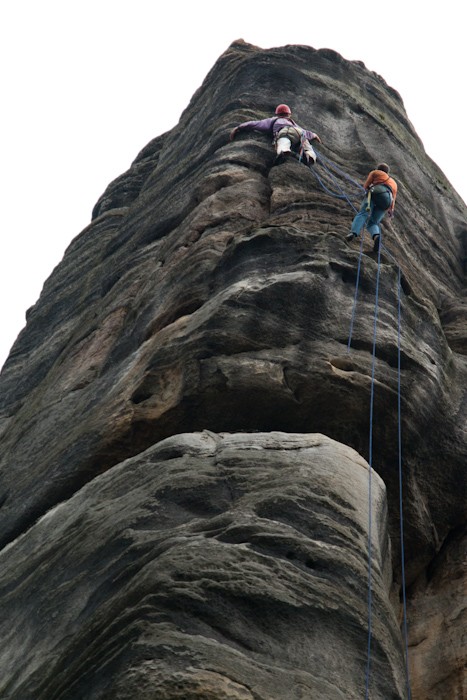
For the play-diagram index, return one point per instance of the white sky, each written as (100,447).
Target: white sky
(85,84)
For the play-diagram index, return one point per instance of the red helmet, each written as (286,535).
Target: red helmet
(283,109)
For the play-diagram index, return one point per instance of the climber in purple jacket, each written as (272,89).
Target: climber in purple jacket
(286,134)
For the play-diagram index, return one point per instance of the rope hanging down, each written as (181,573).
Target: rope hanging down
(370,462)
(370,471)
(328,166)
(336,175)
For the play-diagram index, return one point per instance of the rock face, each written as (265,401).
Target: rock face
(214,292)
(207,566)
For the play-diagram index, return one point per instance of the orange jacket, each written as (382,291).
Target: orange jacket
(379,177)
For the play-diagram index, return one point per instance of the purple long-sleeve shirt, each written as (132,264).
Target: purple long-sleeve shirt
(275,124)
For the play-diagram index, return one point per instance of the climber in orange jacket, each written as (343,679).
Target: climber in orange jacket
(286,134)
(381,197)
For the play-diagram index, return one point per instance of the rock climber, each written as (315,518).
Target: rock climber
(286,134)
(381,194)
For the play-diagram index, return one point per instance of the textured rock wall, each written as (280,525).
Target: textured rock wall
(213,291)
(208,566)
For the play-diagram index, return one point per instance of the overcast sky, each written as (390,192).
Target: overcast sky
(85,85)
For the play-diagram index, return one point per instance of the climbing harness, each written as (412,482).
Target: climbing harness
(291,133)
(381,195)
(302,146)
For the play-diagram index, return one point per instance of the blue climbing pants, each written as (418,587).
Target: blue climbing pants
(371,218)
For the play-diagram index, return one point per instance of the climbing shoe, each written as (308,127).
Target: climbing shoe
(281,158)
(350,236)
(376,243)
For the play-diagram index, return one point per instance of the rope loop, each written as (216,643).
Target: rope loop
(333,172)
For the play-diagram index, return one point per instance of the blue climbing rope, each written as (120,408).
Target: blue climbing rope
(331,165)
(339,195)
(357,283)
(370,463)
(302,146)
(352,318)
(327,166)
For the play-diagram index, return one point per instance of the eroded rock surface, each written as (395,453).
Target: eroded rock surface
(209,566)
(213,291)
(437,612)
